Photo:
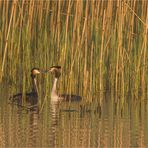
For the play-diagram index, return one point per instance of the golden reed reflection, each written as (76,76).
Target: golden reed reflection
(64,125)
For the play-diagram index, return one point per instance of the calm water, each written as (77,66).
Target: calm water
(68,125)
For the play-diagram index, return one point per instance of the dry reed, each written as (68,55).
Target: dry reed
(101,45)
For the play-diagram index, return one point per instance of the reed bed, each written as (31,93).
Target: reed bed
(101,45)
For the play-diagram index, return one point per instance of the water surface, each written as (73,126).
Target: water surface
(114,124)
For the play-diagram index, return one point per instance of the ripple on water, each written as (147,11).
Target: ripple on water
(65,125)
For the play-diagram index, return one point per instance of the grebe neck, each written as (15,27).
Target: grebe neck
(54,89)
(35,88)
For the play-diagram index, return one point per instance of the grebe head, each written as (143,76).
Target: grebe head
(34,72)
(56,70)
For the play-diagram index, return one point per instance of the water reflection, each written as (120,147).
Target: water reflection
(33,129)
(54,123)
(114,124)
(25,126)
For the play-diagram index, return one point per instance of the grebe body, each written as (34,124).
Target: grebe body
(56,71)
(31,98)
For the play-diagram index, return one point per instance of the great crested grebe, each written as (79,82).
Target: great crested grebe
(31,97)
(56,70)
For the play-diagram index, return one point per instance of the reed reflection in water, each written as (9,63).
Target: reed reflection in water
(120,123)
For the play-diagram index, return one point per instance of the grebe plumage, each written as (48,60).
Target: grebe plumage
(31,97)
(56,70)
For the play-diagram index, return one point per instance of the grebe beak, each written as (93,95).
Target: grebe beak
(44,71)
